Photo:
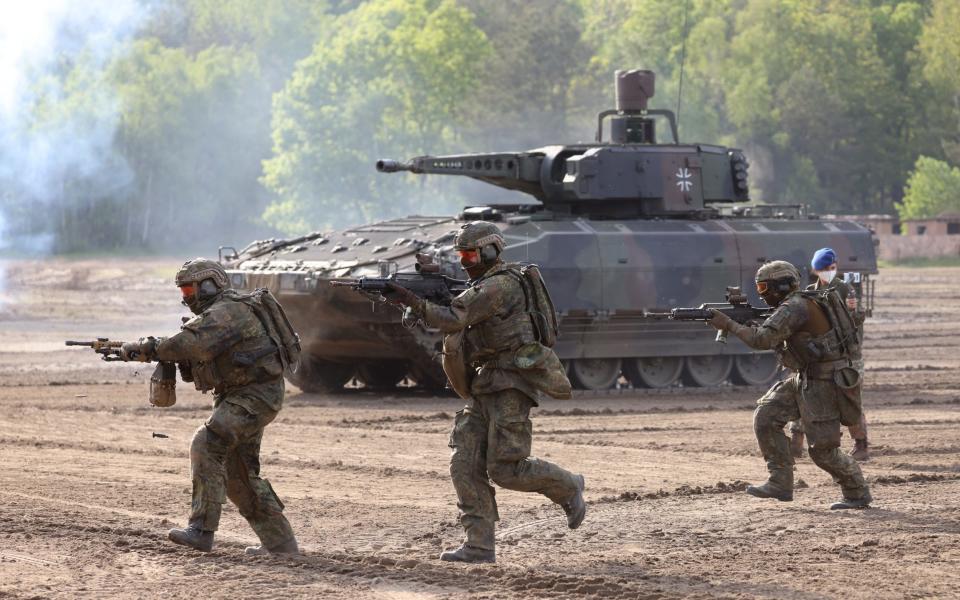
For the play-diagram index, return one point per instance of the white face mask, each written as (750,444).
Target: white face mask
(827,276)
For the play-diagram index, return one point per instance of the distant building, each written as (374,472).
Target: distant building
(947,223)
(879,224)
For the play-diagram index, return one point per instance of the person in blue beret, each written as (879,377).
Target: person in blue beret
(824,265)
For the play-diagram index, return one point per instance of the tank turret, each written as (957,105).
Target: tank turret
(632,175)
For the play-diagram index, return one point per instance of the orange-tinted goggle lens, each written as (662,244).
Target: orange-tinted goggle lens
(761,287)
(468,254)
(187,290)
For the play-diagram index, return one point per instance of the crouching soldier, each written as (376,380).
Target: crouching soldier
(237,345)
(814,335)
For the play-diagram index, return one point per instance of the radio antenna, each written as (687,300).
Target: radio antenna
(683,59)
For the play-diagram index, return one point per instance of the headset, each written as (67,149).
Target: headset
(489,253)
(207,289)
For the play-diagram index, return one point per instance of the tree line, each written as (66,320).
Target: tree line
(225,119)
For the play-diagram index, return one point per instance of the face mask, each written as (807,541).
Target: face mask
(827,276)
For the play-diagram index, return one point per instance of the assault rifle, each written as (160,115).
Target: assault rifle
(109,350)
(426,282)
(163,381)
(736,307)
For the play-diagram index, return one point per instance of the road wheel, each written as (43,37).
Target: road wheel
(653,371)
(754,369)
(382,375)
(707,371)
(318,376)
(594,373)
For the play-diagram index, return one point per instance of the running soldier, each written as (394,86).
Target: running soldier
(814,336)
(232,347)
(495,360)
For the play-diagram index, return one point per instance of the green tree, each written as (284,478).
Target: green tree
(392,81)
(939,45)
(186,133)
(933,188)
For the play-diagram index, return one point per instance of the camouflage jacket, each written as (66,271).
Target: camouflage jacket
(226,349)
(789,333)
(499,348)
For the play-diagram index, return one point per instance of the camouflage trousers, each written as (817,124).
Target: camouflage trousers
(817,405)
(225,462)
(857,431)
(491,441)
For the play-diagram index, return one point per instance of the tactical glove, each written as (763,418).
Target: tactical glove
(720,321)
(144,350)
(402,295)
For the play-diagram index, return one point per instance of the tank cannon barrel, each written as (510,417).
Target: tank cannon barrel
(519,171)
(386,165)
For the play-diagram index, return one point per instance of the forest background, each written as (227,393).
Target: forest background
(151,125)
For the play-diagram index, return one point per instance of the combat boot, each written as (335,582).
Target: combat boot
(796,444)
(288,547)
(575,507)
(193,537)
(768,490)
(861,450)
(469,554)
(862,502)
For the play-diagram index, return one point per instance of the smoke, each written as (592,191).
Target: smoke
(57,114)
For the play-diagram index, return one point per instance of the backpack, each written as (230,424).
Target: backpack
(268,310)
(539,305)
(841,321)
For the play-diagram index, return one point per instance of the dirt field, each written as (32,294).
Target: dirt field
(87,493)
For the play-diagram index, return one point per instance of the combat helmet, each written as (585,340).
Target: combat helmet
(775,280)
(201,280)
(477,234)
(479,244)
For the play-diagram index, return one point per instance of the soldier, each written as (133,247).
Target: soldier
(799,331)
(230,349)
(824,266)
(493,358)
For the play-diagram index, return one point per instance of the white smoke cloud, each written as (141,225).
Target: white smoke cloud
(39,40)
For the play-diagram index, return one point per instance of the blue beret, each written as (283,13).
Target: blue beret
(823,258)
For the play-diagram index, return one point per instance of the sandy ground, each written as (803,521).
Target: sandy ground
(87,493)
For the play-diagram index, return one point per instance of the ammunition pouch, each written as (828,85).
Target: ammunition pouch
(455,364)
(163,383)
(540,365)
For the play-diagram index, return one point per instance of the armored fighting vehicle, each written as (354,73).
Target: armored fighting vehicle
(620,228)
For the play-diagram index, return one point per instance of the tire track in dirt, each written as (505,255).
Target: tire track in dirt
(447,578)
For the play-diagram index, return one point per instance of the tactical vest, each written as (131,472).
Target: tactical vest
(840,344)
(506,331)
(255,358)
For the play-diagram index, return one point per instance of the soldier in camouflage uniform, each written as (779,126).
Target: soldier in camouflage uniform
(824,266)
(495,361)
(799,331)
(225,348)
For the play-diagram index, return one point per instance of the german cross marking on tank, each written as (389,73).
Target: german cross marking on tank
(683,179)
